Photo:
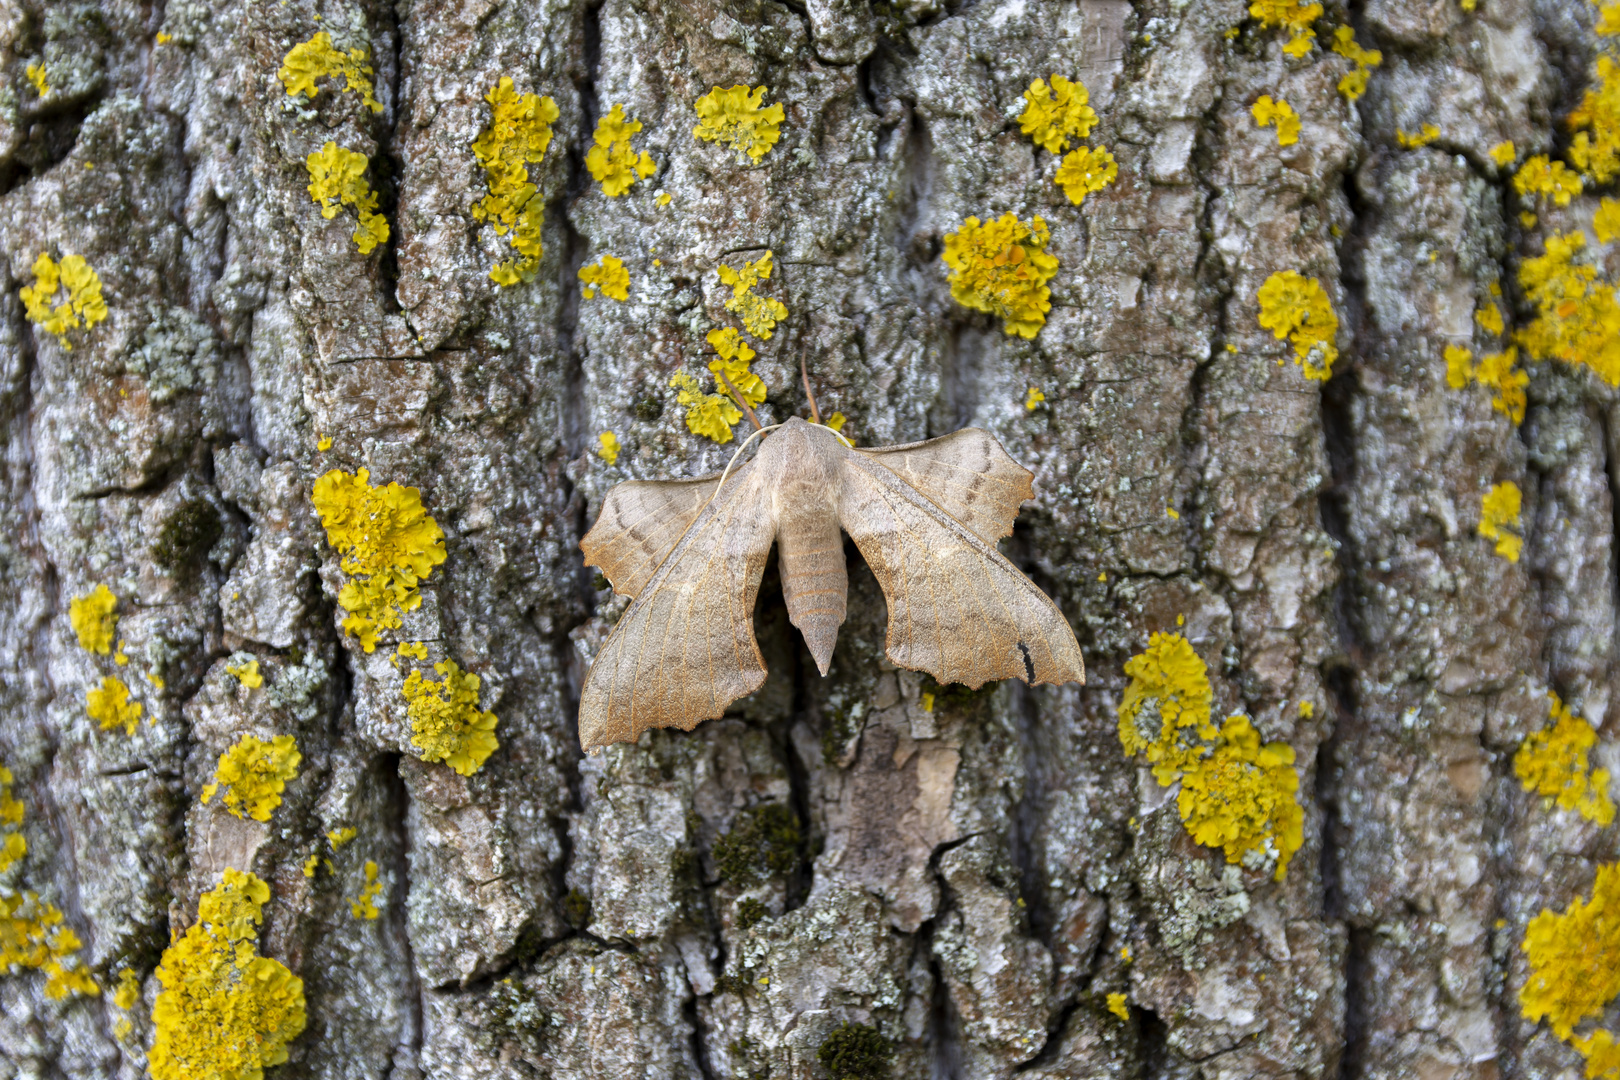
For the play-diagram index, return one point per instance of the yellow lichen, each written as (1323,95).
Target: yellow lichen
(408,649)
(759,314)
(612,162)
(1292,15)
(224,1011)
(36,76)
(1606,221)
(1504,153)
(1578,318)
(109,705)
(1033,398)
(337,178)
(1547,179)
(1498,515)
(387,542)
(1166,707)
(340,836)
(709,415)
(1084,171)
(1117,1006)
(1574,958)
(446,723)
(1267,112)
(364,906)
(33,938)
(1427,134)
(129,989)
(607,447)
(317,59)
(1353,85)
(1052,115)
(1595,150)
(13,845)
(518,135)
(608,275)
(82,304)
(735,356)
(1553,763)
(734,118)
(1001,267)
(1298,308)
(254,773)
(1241,797)
(1496,371)
(1490,318)
(246,673)
(837,421)
(1459,366)
(1602,1053)
(93,619)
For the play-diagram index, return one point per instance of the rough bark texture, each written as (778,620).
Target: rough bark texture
(965,879)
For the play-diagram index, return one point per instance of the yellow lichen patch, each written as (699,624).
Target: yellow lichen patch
(612,162)
(1507,383)
(317,59)
(93,619)
(1498,516)
(1353,85)
(1267,112)
(1547,179)
(1601,1052)
(1606,221)
(1297,308)
(224,1010)
(1292,15)
(254,773)
(1084,171)
(1608,23)
(81,304)
(1117,1005)
(1489,317)
(338,837)
(1001,267)
(837,421)
(759,314)
(1427,134)
(518,135)
(709,415)
(246,673)
(337,178)
(33,937)
(1578,319)
(1574,958)
(324,443)
(109,705)
(364,906)
(36,76)
(1553,763)
(734,118)
(1052,115)
(13,845)
(387,542)
(1595,150)
(1166,707)
(607,447)
(129,989)
(408,650)
(446,723)
(310,864)
(1033,398)
(1459,366)
(733,363)
(1241,798)
(1504,153)
(608,275)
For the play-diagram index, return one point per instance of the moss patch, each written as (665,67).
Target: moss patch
(749,912)
(761,843)
(184,539)
(855,1052)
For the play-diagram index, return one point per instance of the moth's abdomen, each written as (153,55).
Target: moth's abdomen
(815,584)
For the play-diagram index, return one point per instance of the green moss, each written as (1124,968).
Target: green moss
(513,1013)
(185,537)
(762,842)
(841,725)
(855,1052)
(577,909)
(649,408)
(749,912)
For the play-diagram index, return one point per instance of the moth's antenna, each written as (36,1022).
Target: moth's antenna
(752,419)
(733,461)
(804,372)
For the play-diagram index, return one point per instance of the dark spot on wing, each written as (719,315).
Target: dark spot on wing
(1029,665)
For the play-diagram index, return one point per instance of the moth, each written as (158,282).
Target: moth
(925,516)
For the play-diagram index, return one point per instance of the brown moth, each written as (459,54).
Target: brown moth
(926,517)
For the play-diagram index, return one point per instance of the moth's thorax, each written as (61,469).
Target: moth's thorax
(801,462)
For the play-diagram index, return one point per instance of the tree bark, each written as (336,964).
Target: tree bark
(971,881)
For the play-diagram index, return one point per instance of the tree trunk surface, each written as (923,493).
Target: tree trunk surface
(971,881)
